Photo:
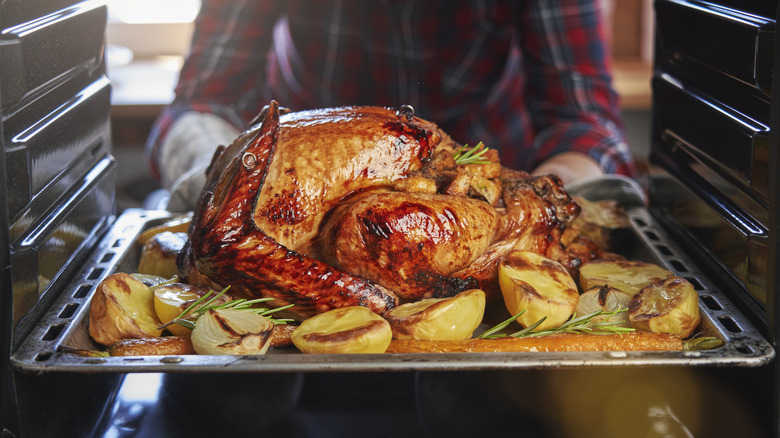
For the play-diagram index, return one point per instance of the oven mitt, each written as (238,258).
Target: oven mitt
(186,153)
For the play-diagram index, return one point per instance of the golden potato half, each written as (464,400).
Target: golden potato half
(173,299)
(122,307)
(158,255)
(540,286)
(669,306)
(354,329)
(626,275)
(438,319)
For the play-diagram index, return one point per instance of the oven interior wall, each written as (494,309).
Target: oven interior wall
(710,150)
(58,174)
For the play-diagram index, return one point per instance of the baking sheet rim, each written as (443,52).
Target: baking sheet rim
(41,350)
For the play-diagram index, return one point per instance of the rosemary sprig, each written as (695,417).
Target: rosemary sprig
(464,155)
(577,324)
(203,304)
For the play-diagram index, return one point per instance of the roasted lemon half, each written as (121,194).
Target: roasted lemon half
(670,306)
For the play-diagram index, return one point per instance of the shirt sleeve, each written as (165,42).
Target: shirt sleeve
(572,103)
(223,73)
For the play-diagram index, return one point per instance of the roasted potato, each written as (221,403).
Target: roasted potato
(670,305)
(160,346)
(438,319)
(604,222)
(353,329)
(158,255)
(172,299)
(122,307)
(540,286)
(625,275)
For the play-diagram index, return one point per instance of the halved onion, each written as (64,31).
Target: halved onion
(232,331)
(605,298)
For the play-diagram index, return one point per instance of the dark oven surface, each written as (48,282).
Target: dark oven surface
(711,148)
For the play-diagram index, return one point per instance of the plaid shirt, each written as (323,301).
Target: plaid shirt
(530,78)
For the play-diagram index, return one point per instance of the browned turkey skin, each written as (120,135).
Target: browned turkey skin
(363,206)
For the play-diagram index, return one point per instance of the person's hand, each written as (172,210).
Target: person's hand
(186,154)
(569,167)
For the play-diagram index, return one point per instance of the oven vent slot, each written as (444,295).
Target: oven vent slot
(43,357)
(82,291)
(107,257)
(729,323)
(710,302)
(68,310)
(696,283)
(95,274)
(678,265)
(744,349)
(53,332)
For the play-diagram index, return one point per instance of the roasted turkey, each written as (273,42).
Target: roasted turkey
(363,206)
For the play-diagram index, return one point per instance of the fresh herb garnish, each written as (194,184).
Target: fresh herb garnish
(474,155)
(188,317)
(577,324)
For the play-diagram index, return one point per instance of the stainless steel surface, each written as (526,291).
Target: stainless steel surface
(58,175)
(711,136)
(65,325)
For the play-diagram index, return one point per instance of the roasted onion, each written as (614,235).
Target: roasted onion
(232,331)
(608,299)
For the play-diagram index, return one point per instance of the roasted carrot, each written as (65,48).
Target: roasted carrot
(281,336)
(639,341)
(159,346)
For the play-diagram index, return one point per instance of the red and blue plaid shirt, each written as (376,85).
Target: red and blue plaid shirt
(530,78)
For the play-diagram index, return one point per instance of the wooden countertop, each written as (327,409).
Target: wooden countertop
(632,81)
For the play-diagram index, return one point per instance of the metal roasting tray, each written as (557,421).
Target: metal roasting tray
(64,325)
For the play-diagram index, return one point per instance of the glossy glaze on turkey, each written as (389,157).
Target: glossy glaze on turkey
(363,206)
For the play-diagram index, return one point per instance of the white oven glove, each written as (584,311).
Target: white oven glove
(186,153)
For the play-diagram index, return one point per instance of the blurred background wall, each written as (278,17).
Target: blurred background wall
(147,40)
